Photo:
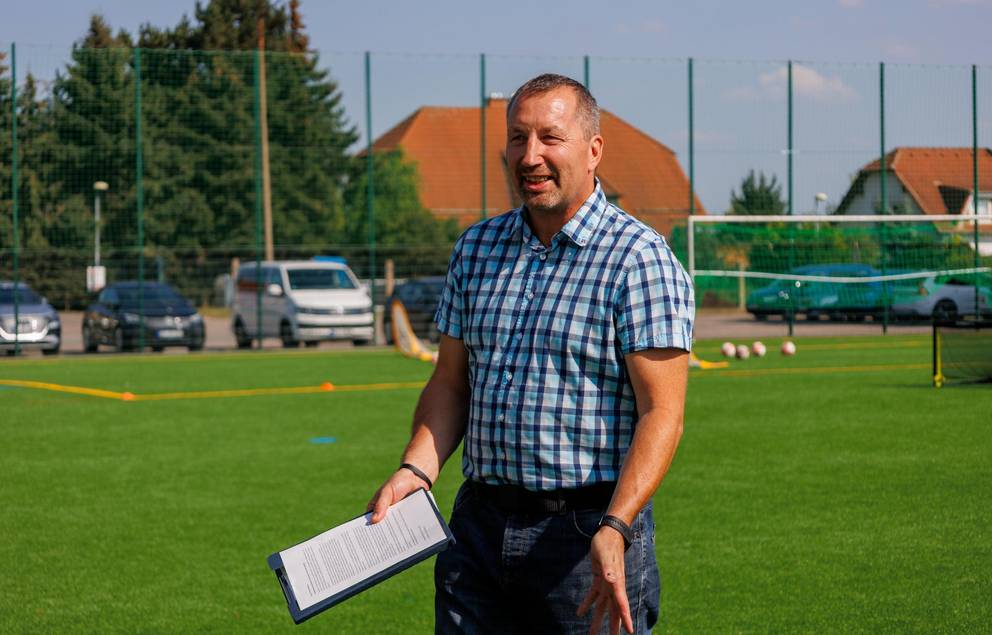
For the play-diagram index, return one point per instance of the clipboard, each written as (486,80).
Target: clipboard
(299,615)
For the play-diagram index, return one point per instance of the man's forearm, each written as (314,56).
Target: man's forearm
(651,452)
(438,425)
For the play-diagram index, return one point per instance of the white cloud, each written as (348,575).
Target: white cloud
(806,82)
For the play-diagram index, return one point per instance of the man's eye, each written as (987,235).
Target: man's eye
(550,139)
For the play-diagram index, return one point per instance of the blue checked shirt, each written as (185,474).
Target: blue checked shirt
(546,329)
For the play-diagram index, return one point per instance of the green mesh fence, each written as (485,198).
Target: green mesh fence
(187,192)
(834,268)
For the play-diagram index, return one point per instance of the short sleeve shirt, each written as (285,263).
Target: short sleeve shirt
(546,330)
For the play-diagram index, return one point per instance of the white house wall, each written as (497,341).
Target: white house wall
(870,200)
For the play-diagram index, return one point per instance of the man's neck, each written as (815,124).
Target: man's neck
(546,224)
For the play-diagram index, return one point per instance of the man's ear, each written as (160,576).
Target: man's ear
(595,152)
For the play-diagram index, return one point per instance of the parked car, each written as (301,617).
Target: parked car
(836,300)
(301,301)
(420,297)
(942,297)
(115,318)
(38,325)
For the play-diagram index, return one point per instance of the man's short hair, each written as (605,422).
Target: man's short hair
(588,108)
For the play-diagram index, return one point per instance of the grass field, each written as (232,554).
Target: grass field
(835,491)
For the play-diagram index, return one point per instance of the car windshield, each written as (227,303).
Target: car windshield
(24,296)
(153,293)
(302,279)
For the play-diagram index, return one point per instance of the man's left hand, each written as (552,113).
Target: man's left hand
(608,593)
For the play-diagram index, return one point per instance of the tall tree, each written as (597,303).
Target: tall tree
(209,96)
(758,195)
(400,219)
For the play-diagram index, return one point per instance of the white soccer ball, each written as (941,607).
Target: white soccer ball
(728,349)
(788,348)
(743,352)
(758,349)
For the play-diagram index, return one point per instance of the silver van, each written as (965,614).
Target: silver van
(301,301)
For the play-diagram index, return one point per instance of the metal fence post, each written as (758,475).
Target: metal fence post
(14,195)
(792,226)
(370,166)
(140,197)
(974,176)
(789,151)
(884,192)
(259,279)
(482,133)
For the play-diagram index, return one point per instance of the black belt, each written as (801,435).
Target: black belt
(513,498)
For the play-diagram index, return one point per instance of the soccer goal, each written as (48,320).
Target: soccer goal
(841,267)
(962,351)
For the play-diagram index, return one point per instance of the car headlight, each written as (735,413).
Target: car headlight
(54,323)
(196,318)
(131,318)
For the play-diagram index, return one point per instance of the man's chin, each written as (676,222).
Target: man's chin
(541,203)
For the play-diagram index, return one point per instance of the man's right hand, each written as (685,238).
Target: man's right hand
(399,485)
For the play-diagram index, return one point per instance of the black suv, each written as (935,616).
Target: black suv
(116,318)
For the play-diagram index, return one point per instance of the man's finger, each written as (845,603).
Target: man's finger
(597,615)
(619,597)
(382,504)
(587,601)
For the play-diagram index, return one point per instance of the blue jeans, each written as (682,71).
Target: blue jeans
(527,573)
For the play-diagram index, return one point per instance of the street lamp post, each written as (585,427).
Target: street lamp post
(819,198)
(99,186)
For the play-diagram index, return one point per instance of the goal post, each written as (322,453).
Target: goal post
(962,351)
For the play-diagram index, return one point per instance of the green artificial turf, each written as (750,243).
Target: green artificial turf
(831,491)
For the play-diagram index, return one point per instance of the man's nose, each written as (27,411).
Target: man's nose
(533,152)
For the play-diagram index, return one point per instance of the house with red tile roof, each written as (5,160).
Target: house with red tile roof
(637,172)
(927,181)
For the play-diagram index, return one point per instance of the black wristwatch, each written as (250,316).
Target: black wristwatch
(615,523)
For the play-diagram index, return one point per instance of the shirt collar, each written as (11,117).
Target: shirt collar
(578,229)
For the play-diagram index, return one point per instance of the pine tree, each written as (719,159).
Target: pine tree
(757,196)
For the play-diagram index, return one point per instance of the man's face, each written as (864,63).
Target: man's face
(550,158)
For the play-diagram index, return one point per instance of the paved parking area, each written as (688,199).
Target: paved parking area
(710,324)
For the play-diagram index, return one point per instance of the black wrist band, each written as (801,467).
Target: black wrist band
(419,474)
(622,527)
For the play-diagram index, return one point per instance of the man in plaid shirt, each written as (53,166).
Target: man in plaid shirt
(566,327)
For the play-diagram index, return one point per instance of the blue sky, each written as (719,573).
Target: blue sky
(427,53)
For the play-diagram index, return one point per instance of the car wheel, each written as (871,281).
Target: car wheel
(312,343)
(945,311)
(240,335)
(50,351)
(89,345)
(361,342)
(10,352)
(158,349)
(119,340)
(286,334)
(761,317)
(198,345)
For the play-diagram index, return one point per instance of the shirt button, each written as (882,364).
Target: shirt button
(530,295)
(508,375)
(544,257)
(502,418)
